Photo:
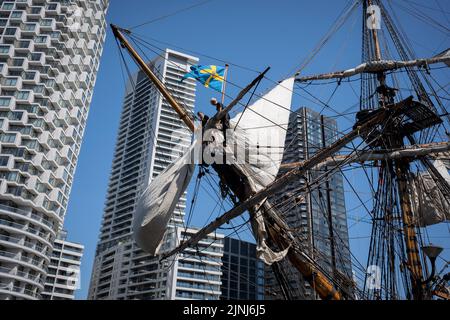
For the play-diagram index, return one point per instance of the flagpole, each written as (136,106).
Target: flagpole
(225,75)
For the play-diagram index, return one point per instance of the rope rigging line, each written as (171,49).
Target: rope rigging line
(147,45)
(171,14)
(339,22)
(420,15)
(414,3)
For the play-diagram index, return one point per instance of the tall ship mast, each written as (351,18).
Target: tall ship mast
(402,141)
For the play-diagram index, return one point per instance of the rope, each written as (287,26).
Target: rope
(170,14)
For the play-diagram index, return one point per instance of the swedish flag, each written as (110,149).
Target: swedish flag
(210,76)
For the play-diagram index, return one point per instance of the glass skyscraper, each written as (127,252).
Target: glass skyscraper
(316,216)
(242,271)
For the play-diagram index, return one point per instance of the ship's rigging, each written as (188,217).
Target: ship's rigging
(395,134)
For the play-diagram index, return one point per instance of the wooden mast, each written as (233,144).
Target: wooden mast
(225,79)
(146,69)
(402,169)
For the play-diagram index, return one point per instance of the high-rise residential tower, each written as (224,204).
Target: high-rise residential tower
(319,219)
(49,58)
(63,276)
(150,137)
(196,274)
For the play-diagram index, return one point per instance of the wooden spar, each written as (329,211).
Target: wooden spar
(323,287)
(146,69)
(414,263)
(281,182)
(441,294)
(241,94)
(375,67)
(225,79)
(413,152)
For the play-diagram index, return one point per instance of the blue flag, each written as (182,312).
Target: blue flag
(210,76)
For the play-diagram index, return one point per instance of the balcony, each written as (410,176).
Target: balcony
(30,29)
(11,34)
(3,69)
(6,51)
(19,292)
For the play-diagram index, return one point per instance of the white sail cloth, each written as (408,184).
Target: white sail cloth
(258,170)
(265,123)
(158,202)
(431,206)
(262,129)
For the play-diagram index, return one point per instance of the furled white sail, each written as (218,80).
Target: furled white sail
(431,206)
(262,130)
(158,202)
(266,121)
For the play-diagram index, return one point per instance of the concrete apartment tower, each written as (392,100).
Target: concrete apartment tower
(145,146)
(63,276)
(312,216)
(49,58)
(197,273)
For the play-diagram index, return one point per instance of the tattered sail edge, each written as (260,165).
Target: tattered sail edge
(263,251)
(430,205)
(158,202)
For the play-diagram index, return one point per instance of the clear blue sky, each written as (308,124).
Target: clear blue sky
(251,33)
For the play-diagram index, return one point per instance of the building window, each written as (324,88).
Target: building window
(7,137)
(46,22)
(17,62)
(22,95)
(5,102)
(4,49)
(10,81)
(4,161)
(36,10)
(40,39)
(16,14)
(35,56)
(8,6)
(29,27)
(29,75)
(10,31)
(51,6)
